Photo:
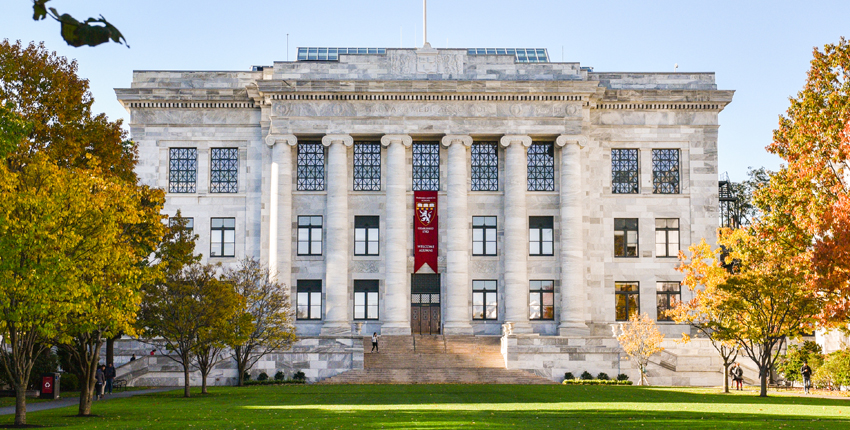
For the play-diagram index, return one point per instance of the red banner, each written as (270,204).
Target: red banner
(425,228)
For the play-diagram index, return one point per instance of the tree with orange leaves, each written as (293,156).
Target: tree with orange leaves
(640,339)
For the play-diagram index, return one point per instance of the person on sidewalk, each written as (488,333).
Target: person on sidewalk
(738,376)
(375,342)
(110,376)
(806,371)
(99,381)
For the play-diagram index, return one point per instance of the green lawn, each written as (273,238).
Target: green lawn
(454,406)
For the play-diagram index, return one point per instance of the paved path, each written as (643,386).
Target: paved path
(73,401)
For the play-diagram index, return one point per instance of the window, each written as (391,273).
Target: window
(311,167)
(309,235)
(190,223)
(624,171)
(367,166)
(483,235)
(182,170)
(541,167)
(365,299)
(628,299)
(667,293)
(541,300)
(222,237)
(665,171)
(224,165)
(666,237)
(485,301)
(540,235)
(485,167)
(366,235)
(625,237)
(426,167)
(309,306)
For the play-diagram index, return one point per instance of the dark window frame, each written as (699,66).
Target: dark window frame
(625,171)
(484,166)
(310,171)
(484,227)
(624,225)
(541,166)
(540,225)
(311,289)
(368,289)
(367,166)
(311,229)
(183,170)
(370,225)
(666,170)
(667,232)
(664,298)
(488,291)
(426,174)
(626,294)
(541,292)
(224,170)
(221,231)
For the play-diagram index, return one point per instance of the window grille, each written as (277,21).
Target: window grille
(485,167)
(541,300)
(426,167)
(224,167)
(665,171)
(311,167)
(485,300)
(483,235)
(222,237)
(625,237)
(624,171)
(541,167)
(627,295)
(309,300)
(182,170)
(367,166)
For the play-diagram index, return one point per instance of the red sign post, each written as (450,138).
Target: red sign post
(425,230)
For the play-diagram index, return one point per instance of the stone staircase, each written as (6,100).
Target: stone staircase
(435,360)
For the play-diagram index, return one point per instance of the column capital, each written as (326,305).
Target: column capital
(461,139)
(403,139)
(518,139)
(579,139)
(272,139)
(344,139)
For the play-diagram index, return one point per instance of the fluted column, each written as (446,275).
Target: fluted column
(457,237)
(573,296)
(280,207)
(337,319)
(396,317)
(516,232)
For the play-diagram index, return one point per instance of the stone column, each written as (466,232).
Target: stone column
(280,207)
(396,317)
(516,233)
(337,320)
(573,296)
(458,312)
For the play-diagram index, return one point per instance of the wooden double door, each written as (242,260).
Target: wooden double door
(425,314)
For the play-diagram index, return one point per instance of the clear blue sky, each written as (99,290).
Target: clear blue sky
(760,49)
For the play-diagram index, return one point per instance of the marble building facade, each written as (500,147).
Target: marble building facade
(593,181)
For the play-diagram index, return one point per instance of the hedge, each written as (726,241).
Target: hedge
(274,382)
(595,382)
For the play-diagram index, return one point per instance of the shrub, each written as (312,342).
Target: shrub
(602,376)
(789,364)
(263,377)
(279,376)
(273,382)
(569,375)
(835,371)
(594,382)
(299,376)
(586,376)
(622,377)
(246,377)
(69,382)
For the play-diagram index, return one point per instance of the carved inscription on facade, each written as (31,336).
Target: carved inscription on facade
(409,63)
(424,109)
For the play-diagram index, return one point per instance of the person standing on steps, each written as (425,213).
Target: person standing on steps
(375,342)
(806,371)
(133,358)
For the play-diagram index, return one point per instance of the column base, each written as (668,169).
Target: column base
(457,329)
(520,327)
(395,329)
(336,329)
(573,329)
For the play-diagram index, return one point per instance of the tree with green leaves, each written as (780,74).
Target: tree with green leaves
(91,32)
(789,364)
(264,322)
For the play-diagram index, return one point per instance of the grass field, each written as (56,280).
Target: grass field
(454,406)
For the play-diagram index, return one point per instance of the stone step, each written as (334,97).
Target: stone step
(437,376)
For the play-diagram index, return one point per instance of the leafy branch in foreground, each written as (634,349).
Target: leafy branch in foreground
(79,33)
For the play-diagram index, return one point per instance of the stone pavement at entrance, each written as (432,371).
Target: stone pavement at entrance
(73,401)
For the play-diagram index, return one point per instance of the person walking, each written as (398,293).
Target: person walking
(375,342)
(110,376)
(738,376)
(99,380)
(806,371)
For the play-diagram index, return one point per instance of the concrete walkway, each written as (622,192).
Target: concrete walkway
(75,400)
